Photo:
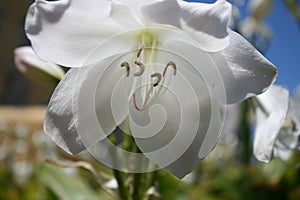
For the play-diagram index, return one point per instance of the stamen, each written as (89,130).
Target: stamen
(173,65)
(126,65)
(142,68)
(158,76)
(140,50)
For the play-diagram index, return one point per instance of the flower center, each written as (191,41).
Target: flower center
(143,96)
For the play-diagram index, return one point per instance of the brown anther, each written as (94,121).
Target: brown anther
(173,65)
(158,76)
(140,51)
(142,68)
(126,65)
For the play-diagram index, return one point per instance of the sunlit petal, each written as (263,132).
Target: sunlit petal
(272,108)
(244,70)
(207,23)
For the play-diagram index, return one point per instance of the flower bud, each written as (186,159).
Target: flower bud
(35,69)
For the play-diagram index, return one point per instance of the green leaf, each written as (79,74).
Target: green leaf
(170,187)
(65,186)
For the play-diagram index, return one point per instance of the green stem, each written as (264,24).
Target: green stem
(123,192)
(137,181)
(152,179)
(137,178)
(245,134)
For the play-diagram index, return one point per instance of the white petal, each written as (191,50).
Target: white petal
(231,124)
(59,123)
(67,31)
(270,114)
(202,64)
(294,111)
(102,99)
(36,69)
(285,144)
(244,70)
(207,23)
(81,111)
(172,130)
(232,75)
(136,8)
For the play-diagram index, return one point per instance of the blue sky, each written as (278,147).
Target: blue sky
(284,51)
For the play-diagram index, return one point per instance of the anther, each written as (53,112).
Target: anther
(173,65)
(126,65)
(158,76)
(140,50)
(142,68)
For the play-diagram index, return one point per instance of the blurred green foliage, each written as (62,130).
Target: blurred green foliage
(25,175)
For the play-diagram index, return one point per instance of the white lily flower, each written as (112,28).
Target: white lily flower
(36,69)
(276,133)
(169,65)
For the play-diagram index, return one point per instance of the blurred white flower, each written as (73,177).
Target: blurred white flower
(290,131)
(288,137)
(111,184)
(36,69)
(22,170)
(259,9)
(202,60)
(250,26)
(277,130)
